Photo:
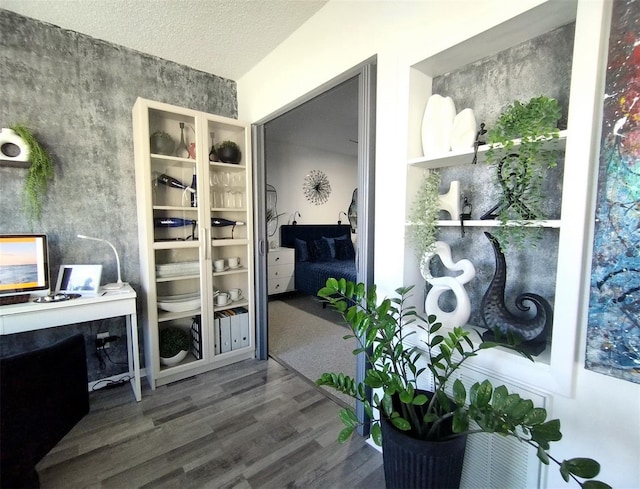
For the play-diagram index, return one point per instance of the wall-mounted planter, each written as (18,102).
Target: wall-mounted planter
(14,151)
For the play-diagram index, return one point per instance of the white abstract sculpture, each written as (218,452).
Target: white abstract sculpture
(450,201)
(460,315)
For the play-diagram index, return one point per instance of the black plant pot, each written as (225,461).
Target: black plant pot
(419,464)
(229,154)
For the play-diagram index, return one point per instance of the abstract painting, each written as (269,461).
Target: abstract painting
(613,333)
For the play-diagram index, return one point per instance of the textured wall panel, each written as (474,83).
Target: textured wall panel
(541,66)
(76,94)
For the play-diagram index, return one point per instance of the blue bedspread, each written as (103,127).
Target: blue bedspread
(312,276)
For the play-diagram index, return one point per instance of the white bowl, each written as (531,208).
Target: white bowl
(174,360)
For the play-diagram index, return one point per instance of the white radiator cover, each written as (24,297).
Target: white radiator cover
(496,462)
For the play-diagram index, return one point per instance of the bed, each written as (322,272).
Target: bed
(322,251)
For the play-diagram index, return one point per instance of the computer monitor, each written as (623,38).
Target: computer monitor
(24,267)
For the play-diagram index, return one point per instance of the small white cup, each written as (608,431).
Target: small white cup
(235,294)
(233,262)
(218,265)
(222,299)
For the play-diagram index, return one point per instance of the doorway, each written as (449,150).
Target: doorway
(362,77)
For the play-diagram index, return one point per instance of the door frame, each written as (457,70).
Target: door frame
(366,74)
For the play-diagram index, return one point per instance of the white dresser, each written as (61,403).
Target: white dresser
(281,266)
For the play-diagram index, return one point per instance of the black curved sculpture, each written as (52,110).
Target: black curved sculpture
(352,213)
(495,313)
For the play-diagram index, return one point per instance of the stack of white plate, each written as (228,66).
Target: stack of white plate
(179,302)
(180,268)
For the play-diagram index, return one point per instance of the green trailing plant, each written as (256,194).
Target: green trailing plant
(172,341)
(423,214)
(228,144)
(519,172)
(397,369)
(39,174)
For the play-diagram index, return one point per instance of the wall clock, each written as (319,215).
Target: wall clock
(316,187)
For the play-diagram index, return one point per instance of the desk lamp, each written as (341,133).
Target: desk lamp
(113,286)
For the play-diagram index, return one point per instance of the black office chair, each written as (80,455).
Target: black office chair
(43,394)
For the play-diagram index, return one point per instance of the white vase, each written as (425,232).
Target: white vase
(436,125)
(463,130)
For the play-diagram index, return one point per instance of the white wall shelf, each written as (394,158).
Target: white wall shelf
(478,223)
(465,156)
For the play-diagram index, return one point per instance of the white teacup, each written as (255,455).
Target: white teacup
(222,299)
(218,265)
(233,262)
(235,294)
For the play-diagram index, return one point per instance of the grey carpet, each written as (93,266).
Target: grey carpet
(312,305)
(309,344)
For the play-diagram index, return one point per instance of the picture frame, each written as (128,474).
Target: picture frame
(79,279)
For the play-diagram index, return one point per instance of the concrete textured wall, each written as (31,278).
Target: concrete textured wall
(76,94)
(541,66)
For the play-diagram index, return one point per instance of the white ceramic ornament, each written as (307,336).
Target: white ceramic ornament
(436,125)
(13,147)
(463,130)
(450,202)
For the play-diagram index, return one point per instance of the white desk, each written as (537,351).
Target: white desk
(31,316)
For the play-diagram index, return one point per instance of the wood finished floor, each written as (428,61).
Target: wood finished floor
(250,425)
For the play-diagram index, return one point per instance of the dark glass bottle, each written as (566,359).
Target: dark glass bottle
(194,193)
(171,182)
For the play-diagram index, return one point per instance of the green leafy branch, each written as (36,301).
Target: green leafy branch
(520,172)
(39,173)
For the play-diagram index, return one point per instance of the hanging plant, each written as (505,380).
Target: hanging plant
(423,215)
(40,172)
(520,172)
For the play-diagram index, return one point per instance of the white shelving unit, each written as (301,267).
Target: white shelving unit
(553,370)
(177,260)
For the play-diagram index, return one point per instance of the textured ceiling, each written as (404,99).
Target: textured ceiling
(223,37)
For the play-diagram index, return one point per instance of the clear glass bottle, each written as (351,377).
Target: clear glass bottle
(182,150)
(213,154)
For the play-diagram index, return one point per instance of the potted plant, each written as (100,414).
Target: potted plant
(162,143)
(228,152)
(519,172)
(174,345)
(40,172)
(423,214)
(443,416)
